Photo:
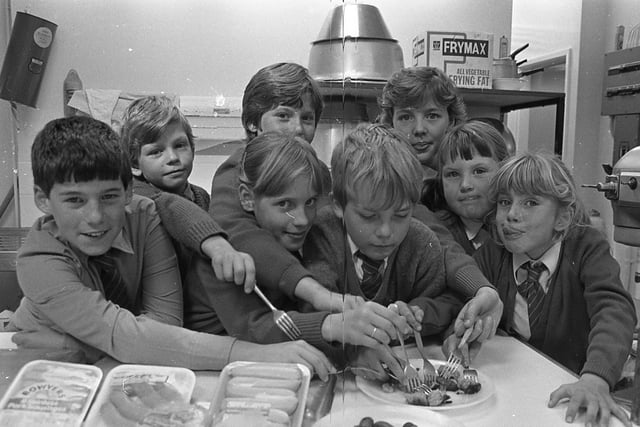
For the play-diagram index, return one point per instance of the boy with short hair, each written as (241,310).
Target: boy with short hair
(99,272)
(159,141)
(368,244)
(160,144)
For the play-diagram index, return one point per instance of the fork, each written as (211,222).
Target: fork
(428,370)
(282,319)
(452,365)
(470,374)
(411,379)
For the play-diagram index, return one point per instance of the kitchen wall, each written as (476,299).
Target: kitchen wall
(198,47)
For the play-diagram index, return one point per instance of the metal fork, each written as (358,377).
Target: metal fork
(411,376)
(428,370)
(282,319)
(453,363)
(470,374)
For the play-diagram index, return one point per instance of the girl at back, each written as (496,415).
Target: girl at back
(559,283)
(467,159)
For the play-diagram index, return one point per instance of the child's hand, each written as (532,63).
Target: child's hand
(467,352)
(592,393)
(370,325)
(411,313)
(482,313)
(285,352)
(230,265)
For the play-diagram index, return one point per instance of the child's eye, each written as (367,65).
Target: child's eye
(504,202)
(153,152)
(74,200)
(110,197)
(367,216)
(309,118)
(284,204)
(311,202)
(432,116)
(282,115)
(531,203)
(405,117)
(480,171)
(451,174)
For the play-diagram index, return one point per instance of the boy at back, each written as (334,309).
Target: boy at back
(160,144)
(99,272)
(368,244)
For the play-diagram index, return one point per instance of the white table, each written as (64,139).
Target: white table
(523,380)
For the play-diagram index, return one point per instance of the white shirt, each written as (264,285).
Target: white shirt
(521,312)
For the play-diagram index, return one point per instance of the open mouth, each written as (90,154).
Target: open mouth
(95,234)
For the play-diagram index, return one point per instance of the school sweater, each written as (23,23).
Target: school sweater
(590,317)
(276,268)
(414,272)
(186,219)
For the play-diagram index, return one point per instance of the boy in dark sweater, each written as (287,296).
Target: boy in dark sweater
(160,144)
(368,244)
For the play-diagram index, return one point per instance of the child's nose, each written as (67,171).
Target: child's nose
(93,212)
(514,212)
(419,128)
(384,229)
(172,155)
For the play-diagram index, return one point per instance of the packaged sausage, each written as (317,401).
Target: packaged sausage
(272,394)
(145,395)
(46,393)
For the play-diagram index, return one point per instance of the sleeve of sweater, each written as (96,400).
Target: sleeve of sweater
(185,221)
(461,272)
(610,307)
(276,268)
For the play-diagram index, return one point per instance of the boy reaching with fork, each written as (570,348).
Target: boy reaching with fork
(368,244)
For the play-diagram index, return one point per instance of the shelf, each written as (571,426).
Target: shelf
(505,100)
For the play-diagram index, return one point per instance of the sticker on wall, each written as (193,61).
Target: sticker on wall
(43,37)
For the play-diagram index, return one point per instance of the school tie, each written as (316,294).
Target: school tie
(532,291)
(115,288)
(371,275)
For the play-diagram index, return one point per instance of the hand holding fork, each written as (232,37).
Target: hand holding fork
(282,319)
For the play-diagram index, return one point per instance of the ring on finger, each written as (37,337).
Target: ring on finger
(375,328)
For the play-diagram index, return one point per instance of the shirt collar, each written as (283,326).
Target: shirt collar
(354,249)
(550,258)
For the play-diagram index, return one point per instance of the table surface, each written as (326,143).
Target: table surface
(523,380)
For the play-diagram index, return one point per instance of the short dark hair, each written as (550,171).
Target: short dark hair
(414,86)
(146,119)
(77,149)
(283,83)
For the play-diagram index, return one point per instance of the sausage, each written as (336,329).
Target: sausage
(127,407)
(281,372)
(366,422)
(147,394)
(289,384)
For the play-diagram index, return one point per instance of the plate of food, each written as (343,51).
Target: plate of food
(393,415)
(392,392)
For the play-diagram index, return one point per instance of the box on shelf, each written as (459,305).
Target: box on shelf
(466,57)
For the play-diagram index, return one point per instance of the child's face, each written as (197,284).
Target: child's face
(290,215)
(376,233)
(167,162)
(299,121)
(527,224)
(425,127)
(466,186)
(89,215)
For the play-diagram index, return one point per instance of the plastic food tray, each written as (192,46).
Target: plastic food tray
(102,412)
(46,393)
(267,371)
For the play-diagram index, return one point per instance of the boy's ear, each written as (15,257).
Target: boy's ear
(136,172)
(252,127)
(247,200)
(41,200)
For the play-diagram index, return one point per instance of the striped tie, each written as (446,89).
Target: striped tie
(532,291)
(371,275)
(115,288)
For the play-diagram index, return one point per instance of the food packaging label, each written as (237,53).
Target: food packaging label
(465,56)
(46,393)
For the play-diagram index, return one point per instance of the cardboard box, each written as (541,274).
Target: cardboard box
(466,57)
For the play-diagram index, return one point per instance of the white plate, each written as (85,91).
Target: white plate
(374,390)
(394,415)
